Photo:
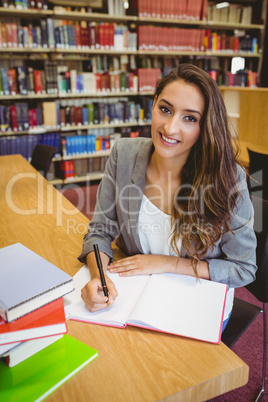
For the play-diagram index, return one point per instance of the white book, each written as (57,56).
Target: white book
(177,304)
(28,349)
(28,281)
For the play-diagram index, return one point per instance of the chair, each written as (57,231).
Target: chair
(258,171)
(41,158)
(244,313)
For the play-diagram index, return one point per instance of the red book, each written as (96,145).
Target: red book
(37,82)
(45,321)
(32,118)
(111,36)
(98,82)
(9,34)
(203,14)
(78,35)
(92,36)
(97,36)
(12,81)
(14,122)
(72,115)
(78,115)
(14,35)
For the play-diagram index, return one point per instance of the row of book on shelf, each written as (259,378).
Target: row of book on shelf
(195,10)
(100,146)
(110,36)
(61,81)
(189,10)
(55,79)
(65,114)
(24,144)
(97,142)
(33,326)
(232,13)
(64,34)
(184,39)
(25,4)
(67,145)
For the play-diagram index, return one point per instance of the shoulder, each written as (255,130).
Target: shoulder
(240,173)
(132,145)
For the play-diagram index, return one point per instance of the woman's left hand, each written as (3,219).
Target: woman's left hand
(143,264)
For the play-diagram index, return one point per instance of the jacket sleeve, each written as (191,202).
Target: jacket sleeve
(103,228)
(236,263)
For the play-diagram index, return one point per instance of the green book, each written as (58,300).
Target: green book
(41,374)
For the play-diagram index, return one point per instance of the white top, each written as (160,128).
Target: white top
(154,228)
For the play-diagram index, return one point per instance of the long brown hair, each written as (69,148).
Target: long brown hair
(208,192)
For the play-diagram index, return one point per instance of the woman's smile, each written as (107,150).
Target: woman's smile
(168,141)
(176,118)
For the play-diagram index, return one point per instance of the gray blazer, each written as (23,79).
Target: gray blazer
(232,261)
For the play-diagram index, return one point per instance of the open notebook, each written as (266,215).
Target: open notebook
(176,304)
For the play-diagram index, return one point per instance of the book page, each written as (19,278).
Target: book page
(182,305)
(129,290)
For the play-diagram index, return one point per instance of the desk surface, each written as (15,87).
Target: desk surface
(133,364)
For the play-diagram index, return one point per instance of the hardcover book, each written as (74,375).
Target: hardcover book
(27,349)
(41,374)
(47,320)
(28,281)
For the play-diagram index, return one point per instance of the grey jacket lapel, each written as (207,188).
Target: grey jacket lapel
(136,190)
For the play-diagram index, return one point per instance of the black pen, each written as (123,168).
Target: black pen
(102,277)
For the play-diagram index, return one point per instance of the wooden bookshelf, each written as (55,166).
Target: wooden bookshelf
(72,15)
(66,129)
(72,55)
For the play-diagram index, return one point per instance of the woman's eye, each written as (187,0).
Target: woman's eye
(191,119)
(164,109)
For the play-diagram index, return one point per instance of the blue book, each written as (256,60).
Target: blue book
(5,80)
(3,145)
(23,145)
(85,119)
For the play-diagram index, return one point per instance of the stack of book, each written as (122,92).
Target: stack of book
(31,306)
(33,321)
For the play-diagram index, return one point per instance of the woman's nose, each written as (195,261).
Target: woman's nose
(172,126)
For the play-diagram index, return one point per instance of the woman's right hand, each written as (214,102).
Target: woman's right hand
(92,294)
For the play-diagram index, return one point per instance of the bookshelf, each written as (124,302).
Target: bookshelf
(129,55)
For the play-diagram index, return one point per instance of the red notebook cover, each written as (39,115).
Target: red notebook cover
(45,321)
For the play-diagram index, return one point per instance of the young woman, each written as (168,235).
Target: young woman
(177,202)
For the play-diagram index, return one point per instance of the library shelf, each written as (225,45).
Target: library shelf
(65,129)
(78,179)
(25,12)
(108,125)
(71,55)
(74,95)
(97,154)
(199,23)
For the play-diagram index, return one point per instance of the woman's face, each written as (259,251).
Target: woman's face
(176,116)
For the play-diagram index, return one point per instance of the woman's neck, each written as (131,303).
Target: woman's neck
(163,179)
(164,168)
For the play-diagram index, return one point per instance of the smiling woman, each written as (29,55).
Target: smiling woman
(176,116)
(177,202)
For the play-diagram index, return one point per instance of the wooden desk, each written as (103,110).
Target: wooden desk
(133,364)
